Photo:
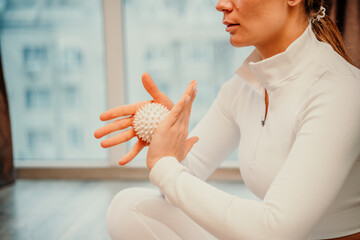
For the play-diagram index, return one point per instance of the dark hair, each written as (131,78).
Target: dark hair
(325,29)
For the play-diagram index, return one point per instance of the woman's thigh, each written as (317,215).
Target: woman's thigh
(142,213)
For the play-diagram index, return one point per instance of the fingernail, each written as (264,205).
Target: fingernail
(194,88)
(187,99)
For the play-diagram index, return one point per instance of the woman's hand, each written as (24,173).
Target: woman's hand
(170,136)
(127,113)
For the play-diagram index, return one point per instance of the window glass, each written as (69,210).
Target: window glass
(53,59)
(177,42)
(38,98)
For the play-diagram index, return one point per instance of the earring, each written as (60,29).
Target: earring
(291,2)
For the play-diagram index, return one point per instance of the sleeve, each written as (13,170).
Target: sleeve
(325,149)
(217,124)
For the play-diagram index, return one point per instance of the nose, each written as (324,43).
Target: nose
(224,6)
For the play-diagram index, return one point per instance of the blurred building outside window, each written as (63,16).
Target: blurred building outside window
(35,58)
(38,98)
(54,64)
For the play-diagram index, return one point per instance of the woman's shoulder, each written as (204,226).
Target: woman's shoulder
(336,89)
(331,83)
(335,94)
(330,74)
(231,87)
(230,93)
(335,65)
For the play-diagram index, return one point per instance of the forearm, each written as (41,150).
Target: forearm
(222,214)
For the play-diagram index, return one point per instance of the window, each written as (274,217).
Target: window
(38,98)
(71,59)
(35,58)
(21,3)
(75,136)
(72,97)
(40,143)
(54,64)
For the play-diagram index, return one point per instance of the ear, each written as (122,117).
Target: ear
(293,3)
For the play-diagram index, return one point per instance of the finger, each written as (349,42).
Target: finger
(134,151)
(122,137)
(189,92)
(190,143)
(179,107)
(175,112)
(189,88)
(155,93)
(114,126)
(150,86)
(122,111)
(190,105)
(184,117)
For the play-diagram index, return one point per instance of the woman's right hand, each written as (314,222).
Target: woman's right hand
(126,114)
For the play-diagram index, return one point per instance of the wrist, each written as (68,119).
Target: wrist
(151,161)
(163,167)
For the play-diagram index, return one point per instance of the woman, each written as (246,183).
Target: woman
(293,109)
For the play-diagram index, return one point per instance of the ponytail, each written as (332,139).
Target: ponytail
(325,29)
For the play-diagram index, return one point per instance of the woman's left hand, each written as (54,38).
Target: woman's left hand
(169,138)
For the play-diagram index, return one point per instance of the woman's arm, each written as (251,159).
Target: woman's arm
(218,135)
(325,149)
(217,123)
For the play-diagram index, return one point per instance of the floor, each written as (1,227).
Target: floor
(64,209)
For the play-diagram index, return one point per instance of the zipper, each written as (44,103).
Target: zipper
(260,136)
(266,108)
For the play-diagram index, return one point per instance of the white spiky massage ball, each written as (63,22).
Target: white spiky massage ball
(147,119)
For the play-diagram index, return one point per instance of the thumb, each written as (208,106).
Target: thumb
(150,86)
(190,143)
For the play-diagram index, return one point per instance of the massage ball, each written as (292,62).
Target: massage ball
(147,119)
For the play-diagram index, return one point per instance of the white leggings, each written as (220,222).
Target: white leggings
(143,213)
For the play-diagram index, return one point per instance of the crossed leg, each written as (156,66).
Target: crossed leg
(142,213)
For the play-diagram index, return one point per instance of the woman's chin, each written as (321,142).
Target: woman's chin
(238,42)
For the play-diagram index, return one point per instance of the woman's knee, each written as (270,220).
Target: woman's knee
(121,218)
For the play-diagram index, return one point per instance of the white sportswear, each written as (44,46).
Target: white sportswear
(304,162)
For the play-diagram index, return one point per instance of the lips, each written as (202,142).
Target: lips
(230,26)
(229,23)
(233,24)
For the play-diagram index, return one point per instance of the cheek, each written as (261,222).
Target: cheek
(246,10)
(252,16)
(259,20)
(259,12)
(249,15)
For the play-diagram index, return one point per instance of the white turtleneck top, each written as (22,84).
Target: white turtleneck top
(304,163)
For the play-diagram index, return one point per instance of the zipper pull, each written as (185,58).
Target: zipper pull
(263,123)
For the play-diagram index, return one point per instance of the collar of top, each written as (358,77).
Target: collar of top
(270,73)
